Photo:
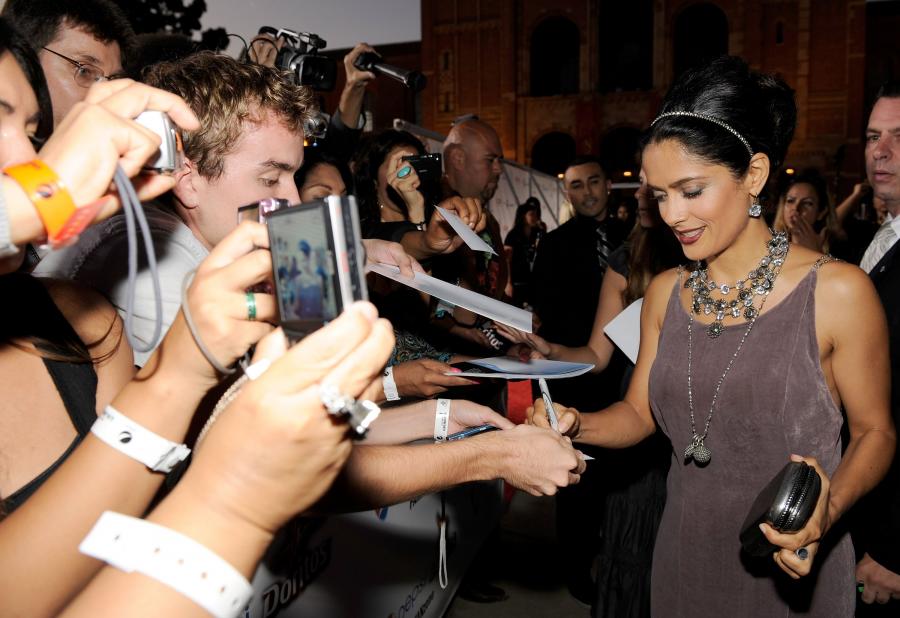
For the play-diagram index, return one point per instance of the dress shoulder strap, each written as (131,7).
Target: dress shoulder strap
(824,260)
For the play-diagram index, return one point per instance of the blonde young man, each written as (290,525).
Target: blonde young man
(248,147)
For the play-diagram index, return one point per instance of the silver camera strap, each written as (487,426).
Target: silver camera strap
(134,218)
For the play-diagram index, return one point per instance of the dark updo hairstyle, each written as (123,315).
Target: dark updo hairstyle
(365,174)
(758,106)
(315,156)
(13,42)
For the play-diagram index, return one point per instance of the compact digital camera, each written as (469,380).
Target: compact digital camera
(429,169)
(317,259)
(170,156)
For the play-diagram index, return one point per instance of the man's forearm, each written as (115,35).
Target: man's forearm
(383,475)
(401,424)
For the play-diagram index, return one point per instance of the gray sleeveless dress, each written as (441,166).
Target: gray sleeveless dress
(774,402)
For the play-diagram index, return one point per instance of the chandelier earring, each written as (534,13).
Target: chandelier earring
(755,210)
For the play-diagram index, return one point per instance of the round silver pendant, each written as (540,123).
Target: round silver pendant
(701,455)
(715,329)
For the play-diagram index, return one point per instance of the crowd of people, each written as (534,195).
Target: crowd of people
(112,364)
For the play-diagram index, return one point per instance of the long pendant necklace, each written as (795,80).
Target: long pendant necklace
(696,449)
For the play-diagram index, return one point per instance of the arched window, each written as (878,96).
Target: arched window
(625,45)
(553,152)
(555,45)
(701,34)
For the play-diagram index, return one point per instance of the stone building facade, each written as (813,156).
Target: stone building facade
(579,76)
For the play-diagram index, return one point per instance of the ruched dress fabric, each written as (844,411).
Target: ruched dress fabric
(774,402)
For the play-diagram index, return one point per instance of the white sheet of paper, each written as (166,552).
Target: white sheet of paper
(508,368)
(625,329)
(467,299)
(473,240)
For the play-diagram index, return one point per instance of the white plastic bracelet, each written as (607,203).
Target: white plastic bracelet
(169,557)
(137,442)
(389,385)
(441,420)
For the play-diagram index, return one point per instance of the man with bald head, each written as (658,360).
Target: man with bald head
(473,162)
(473,159)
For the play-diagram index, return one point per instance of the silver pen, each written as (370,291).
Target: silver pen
(548,403)
(551,412)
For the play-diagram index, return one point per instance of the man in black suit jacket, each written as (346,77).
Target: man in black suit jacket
(878,534)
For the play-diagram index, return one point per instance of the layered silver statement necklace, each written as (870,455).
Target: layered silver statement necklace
(759,283)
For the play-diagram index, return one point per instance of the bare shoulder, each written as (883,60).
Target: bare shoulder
(841,283)
(91,315)
(848,310)
(656,298)
(661,285)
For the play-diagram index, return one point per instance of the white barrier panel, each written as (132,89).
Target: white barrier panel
(517,184)
(377,564)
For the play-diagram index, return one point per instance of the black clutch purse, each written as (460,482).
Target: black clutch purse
(786,504)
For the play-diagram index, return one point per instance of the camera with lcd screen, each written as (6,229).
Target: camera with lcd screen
(170,156)
(318,262)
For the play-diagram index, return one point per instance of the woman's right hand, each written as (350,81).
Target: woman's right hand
(802,233)
(569,418)
(275,450)
(407,186)
(99,134)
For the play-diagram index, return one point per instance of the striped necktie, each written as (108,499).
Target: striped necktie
(884,239)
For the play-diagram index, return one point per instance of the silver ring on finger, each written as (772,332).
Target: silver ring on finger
(802,553)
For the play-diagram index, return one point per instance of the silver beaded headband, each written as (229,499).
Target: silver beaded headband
(711,119)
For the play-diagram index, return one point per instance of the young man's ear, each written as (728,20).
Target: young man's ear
(186,181)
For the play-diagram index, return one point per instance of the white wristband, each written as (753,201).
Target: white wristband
(441,420)
(169,557)
(389,385)
(137,442)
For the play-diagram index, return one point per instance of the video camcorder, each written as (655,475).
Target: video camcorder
(299,56)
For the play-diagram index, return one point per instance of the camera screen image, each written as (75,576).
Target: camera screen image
(304,266)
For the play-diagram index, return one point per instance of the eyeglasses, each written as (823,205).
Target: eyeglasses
(86,75)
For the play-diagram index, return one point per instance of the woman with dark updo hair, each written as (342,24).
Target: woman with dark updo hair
(746,359)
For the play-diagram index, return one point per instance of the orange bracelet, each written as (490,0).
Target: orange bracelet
(52,200)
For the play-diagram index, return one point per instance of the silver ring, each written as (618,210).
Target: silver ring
(359,414)
(802,553)
(334,400)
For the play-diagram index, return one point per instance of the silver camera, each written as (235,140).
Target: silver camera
(170,156)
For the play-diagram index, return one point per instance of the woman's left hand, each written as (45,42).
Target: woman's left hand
(808,537)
